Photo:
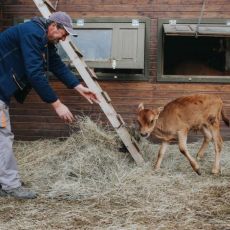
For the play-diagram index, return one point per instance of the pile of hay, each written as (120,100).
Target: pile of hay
(113,193)
(87,164)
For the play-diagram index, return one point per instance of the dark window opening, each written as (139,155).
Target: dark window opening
(185,55)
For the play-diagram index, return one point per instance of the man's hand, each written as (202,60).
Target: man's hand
(63,111)
(87,93)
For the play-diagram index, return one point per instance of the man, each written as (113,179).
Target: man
(27,50)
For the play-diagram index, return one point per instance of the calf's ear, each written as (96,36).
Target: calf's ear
(140,107)
(159,109)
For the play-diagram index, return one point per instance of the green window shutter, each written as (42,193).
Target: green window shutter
(128,47)
(203,30)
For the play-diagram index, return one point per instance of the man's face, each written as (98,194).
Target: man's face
(56,34)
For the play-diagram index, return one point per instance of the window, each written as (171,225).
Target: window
(95,45)
(115,49)
(191,53)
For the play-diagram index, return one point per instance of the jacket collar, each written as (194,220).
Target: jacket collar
(42,22)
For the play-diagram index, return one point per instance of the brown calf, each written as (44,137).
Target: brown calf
(197,112)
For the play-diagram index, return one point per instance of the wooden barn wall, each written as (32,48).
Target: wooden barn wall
(36,119)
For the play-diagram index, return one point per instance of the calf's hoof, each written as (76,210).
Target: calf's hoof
(156,170)
(198,171)
(215,172)
(199,158)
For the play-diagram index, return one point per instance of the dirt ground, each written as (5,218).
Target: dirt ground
(86,183)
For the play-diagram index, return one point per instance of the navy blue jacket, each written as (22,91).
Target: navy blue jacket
(25,55)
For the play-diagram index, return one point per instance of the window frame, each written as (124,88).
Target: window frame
(115,28)
(124,76)
(181,78)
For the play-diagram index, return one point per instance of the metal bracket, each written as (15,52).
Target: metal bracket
(172,22)
(135,23)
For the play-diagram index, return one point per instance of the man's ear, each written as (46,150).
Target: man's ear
(52,25)
(140,107)
(158,110)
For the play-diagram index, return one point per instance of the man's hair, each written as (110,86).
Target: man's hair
(49,22)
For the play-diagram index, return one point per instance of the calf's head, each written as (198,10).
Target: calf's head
(147,119)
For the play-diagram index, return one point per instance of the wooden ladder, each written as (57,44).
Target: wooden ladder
(90,79)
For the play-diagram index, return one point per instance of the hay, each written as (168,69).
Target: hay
(84,182)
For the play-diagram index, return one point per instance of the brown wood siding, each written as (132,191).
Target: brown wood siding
(36,119)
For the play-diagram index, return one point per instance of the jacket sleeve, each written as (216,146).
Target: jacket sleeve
(60,70)
(32,46)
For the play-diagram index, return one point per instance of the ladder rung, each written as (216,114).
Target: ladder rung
(91,72)
(120,119)
(75,49)
(106,96)
(135,143)
(49,4)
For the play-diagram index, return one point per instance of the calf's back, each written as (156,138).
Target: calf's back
(190,112)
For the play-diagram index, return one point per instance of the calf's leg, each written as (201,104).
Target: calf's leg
(207,139)
(217,140)
(182,139)
(161,153)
